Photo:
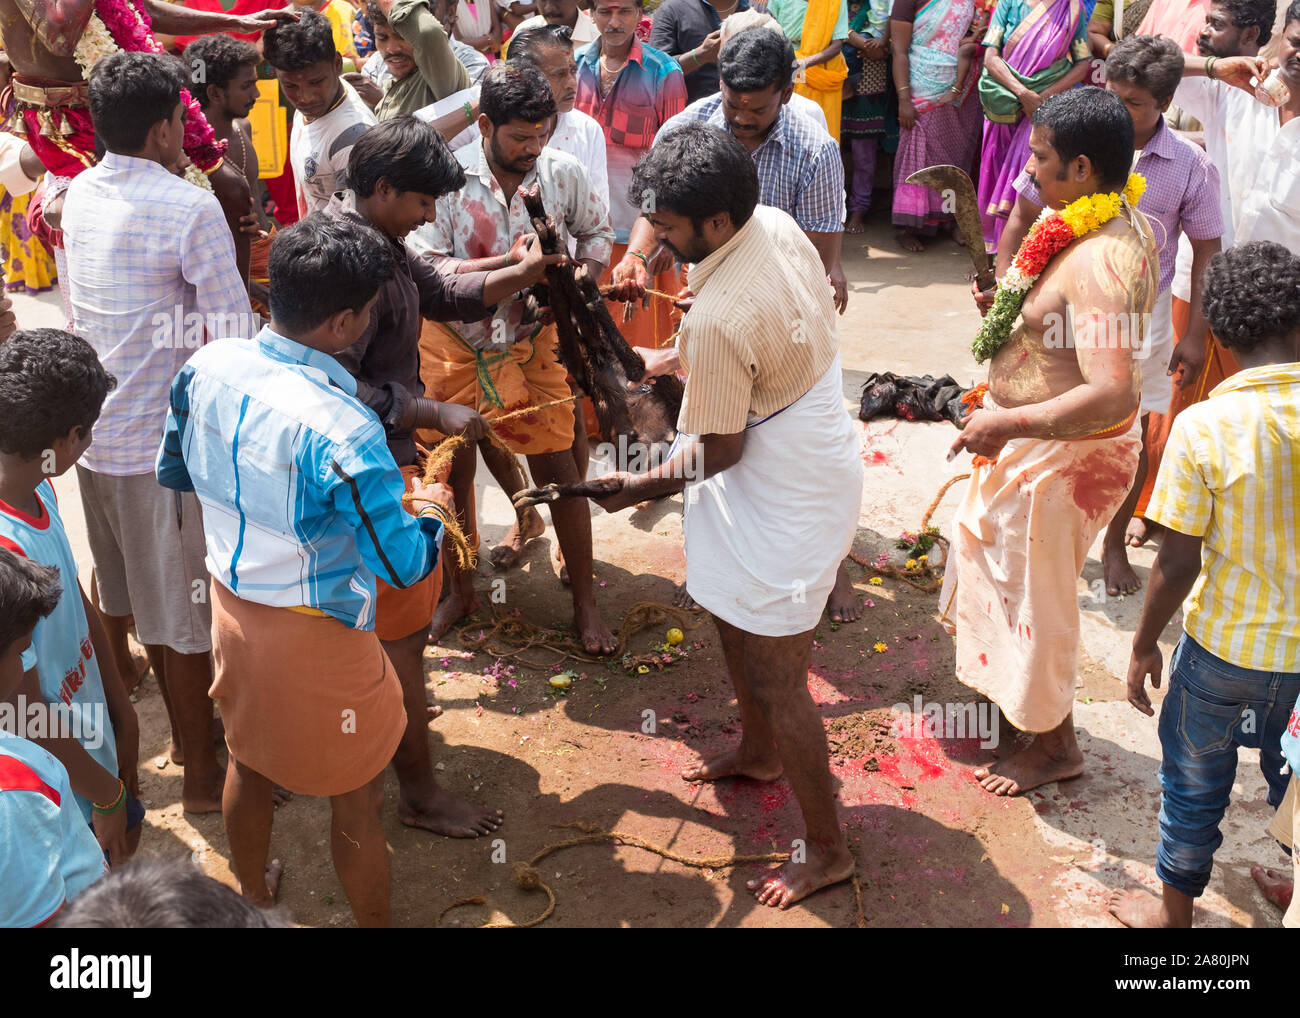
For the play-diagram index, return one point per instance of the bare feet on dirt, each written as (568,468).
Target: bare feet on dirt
(792,881)
(735,763)
(454,607)
(681,599)
(280,796)
(1276,887)
(843,605)
(1028,769)
(909,241)
(856,223)
(506,554)
(1140,531)
(1139,908)
(1119,575)
(592,631)
(204,799)
(442,813)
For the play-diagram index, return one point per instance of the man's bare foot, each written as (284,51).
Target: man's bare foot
(792,881)
(1276,887)
(843,604)
(1138,908)
(280,796)
(595,635)
(1119,575)
(1140,531)
(909,241)
(206,800)
(139,669)
(175,754)
(432,711)
(454,607)
(266,896)
(506,554)
(1028,769)
(856,223)
(681,599)
(735,763)
(957,237)
(442,813)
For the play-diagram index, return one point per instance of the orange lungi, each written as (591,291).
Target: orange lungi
(399,612)
(1219,364)
(307,702)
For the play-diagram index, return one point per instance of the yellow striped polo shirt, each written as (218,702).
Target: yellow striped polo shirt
(1230,475)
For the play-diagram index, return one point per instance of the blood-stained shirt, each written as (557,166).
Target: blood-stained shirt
(479,222)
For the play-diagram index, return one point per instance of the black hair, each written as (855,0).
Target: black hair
(754,61)
(1151,62)
(321,265)
(697,171)
(215,60)
(1292,13)
(129,94)
(1251,294)
(409,154)
(529,44)
(50,383)
(515,91)
(29,591)
(1260,13)
(376,15)
(296,45)
(157,894)
(1092,122)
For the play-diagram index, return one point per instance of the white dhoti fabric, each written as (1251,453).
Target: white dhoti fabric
(1157,348)
(765,537)
(1020,538)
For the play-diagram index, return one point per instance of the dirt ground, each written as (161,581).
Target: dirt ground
(933,849)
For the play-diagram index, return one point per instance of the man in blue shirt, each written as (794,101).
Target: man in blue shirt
(302,510)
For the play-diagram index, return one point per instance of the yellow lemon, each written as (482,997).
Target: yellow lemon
(561,681)
(643,670)
(673,637)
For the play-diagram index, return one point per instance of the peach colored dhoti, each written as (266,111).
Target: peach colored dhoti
(1019,541)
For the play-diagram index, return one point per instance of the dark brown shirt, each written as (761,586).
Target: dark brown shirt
(386,359)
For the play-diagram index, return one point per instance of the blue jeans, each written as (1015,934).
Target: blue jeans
(1213,707)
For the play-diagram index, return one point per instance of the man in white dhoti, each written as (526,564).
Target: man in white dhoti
(769,464)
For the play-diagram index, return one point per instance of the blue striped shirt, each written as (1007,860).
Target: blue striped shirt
(799,167)
(301,497)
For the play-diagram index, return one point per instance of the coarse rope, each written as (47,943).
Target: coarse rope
(529,879)
(605,291)
(445,451)
(518,636)
(922,577)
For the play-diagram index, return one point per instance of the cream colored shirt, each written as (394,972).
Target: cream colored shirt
(762,330)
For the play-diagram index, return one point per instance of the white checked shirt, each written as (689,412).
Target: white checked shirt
(151,270)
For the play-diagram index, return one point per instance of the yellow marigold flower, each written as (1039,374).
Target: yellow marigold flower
(875,581)
(911,563)
(880,648)
(1135,188)
(924,558)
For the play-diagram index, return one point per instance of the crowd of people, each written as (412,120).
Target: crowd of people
(257,363)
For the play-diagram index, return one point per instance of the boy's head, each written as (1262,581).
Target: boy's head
(52,387)
(224,74)
(1236,28)
(325,276)
(516,111)
(135,104)
(549,48)
(1081,143)
(756,71)
(1251,300)
(1144,71)
(306,62)
(156,894)
(398,170)
(28,592)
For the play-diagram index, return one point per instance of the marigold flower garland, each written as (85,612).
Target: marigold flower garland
(1051,233)
(122,25)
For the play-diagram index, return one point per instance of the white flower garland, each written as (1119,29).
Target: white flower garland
(96,42)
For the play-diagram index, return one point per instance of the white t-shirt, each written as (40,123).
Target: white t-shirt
(578,135)
(584,29)
(1258,160)
(455,101)
(809,109)
(319,151)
